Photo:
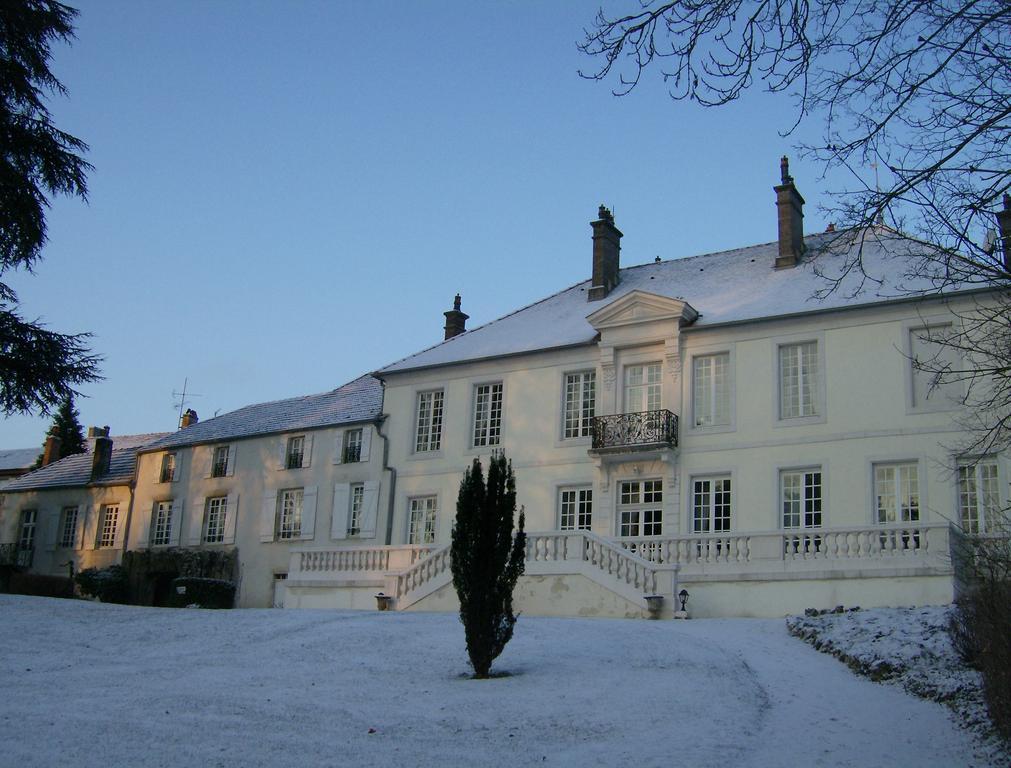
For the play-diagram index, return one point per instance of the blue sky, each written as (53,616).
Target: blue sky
(287,195)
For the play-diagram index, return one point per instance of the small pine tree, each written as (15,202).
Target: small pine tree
(487,559)
(67,427)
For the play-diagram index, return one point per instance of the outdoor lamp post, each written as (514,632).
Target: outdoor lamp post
(683,597)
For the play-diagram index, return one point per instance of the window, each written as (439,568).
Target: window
(295,452)
(429,432)
(978,495)
(422,520)
(352,446)
(642,388)
(161,524)
(289,513)
(357,504)
(711,390)
(107,526)
(68,528)
(29,519)
(575,509)
(215,510)
(935,367)
(711,504)
(897,492)
(168,468)
(801,496)
(580,398)
(799,380)
(487,414)
(219,465)
(639,508)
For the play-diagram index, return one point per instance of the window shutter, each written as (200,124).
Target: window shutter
(370,509)
(232,452)
(121,521)
(267,513)
(338,457)
(195,522)
(91,526)
(143,525)
(82,516)
(366,443)
(50,529)
(231,513)
(309,512)
(206,454)
(175,467)
(307,451)
(341,505)
(282,462)
(177,523)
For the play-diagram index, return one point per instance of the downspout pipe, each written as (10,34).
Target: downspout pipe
(392,493)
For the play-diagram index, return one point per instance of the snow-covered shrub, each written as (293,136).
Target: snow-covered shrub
(981,631)
(188,591)
(109,585)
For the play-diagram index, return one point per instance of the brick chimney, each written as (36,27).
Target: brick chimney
(1004,222)
(51,452)
(188,419)
(790,206)
(101,455)
(606,252)
(456,321)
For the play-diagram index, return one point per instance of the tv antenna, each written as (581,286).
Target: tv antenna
(182,398)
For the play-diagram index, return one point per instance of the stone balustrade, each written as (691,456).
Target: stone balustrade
(800,551)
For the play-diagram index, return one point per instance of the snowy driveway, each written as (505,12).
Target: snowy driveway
(95,685)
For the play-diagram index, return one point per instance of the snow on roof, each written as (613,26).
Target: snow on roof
(18,458)
(726,287)
(75,471)
(359,400)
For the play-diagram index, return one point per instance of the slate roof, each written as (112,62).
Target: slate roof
(356,401)
(726,287)
(75,471)
(18,458)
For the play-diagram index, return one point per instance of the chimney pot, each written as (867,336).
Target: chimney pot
(189,419)
(456,321)
(790,210)
(606,255)
(98,432)
(51,452)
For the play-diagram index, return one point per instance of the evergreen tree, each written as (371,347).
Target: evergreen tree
(66,426)
(487,559)
(38,367)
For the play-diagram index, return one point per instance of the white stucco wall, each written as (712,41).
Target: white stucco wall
(257,472)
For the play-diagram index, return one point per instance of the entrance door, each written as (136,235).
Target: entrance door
(279,589)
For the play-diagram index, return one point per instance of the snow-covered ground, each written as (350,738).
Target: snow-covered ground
(85,684)
(910,647)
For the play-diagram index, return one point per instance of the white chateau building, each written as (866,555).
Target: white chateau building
(703,424)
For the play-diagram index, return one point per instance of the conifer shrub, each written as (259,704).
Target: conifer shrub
(487,559)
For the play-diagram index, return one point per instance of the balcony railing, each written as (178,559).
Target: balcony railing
(635,429)
(14,554)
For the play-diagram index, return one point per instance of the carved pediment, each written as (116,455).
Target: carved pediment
(642,307)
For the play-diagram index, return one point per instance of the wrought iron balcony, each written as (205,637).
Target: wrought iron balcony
(13,554)
(635,430)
